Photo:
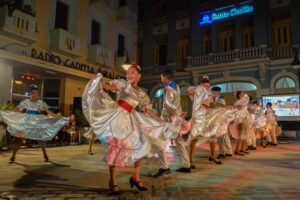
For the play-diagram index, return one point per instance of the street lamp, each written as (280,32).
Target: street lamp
(126,65)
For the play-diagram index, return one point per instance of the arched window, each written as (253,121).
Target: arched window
(158,100)
(184,100)
(285,82)
(159,93)
(233,86)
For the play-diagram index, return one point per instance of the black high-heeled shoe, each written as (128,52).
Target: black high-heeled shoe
(216,161)
(111,188)
(192,164)
(136,184)
(239,153)
(11,160)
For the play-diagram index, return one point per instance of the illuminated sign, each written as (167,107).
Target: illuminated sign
(206,19)
(48,57)
(210,17)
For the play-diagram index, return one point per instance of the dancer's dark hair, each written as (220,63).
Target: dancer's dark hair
(217,89)
(168,74)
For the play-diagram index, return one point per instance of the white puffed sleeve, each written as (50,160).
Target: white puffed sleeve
(200,94)
(145,103)
(243,102)
(119,83)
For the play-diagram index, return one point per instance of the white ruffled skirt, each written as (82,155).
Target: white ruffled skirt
(212,125)
(34,127)
(126,136)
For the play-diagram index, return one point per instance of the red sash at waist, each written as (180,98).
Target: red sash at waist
(205,106)
(125,105)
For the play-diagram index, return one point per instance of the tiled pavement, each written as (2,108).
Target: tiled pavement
(271,173)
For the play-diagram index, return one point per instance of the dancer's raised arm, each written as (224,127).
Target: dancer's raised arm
(108,87)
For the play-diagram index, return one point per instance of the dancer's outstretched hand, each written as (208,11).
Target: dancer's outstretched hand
(108,87)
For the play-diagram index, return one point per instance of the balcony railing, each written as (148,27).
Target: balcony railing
(17,25)
(249,53)
(286,52)
(200,60)
(65,43)
(180,67)
(241,54)
(159,69)
(97,54)
(228,56)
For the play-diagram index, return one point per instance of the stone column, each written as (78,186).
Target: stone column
(295,20)
(196,30)
(6,75)
(238,33)
(261,24)
(215,38)
(172,37)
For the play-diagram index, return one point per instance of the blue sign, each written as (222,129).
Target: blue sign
(206,19)
(210,17)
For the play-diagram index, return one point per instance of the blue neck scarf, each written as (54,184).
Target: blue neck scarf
(172,84)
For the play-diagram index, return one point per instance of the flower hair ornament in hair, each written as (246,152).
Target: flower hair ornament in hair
(237,93)
(137,66)
(204,79)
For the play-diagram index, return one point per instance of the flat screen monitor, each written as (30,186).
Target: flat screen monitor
(286,106)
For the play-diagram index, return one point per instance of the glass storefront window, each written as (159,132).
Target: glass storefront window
(20,85)
(49,89)
(51,93)
(233,86)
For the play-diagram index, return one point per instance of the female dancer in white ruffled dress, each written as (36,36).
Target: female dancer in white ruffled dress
(207,124)
(256,126)
(31,125)
(261,124)
(239,129)
(128,135)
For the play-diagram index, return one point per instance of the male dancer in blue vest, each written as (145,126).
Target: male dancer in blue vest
(224,141)
(172,112)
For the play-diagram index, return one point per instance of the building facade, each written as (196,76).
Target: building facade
(60,44)
(240,44)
